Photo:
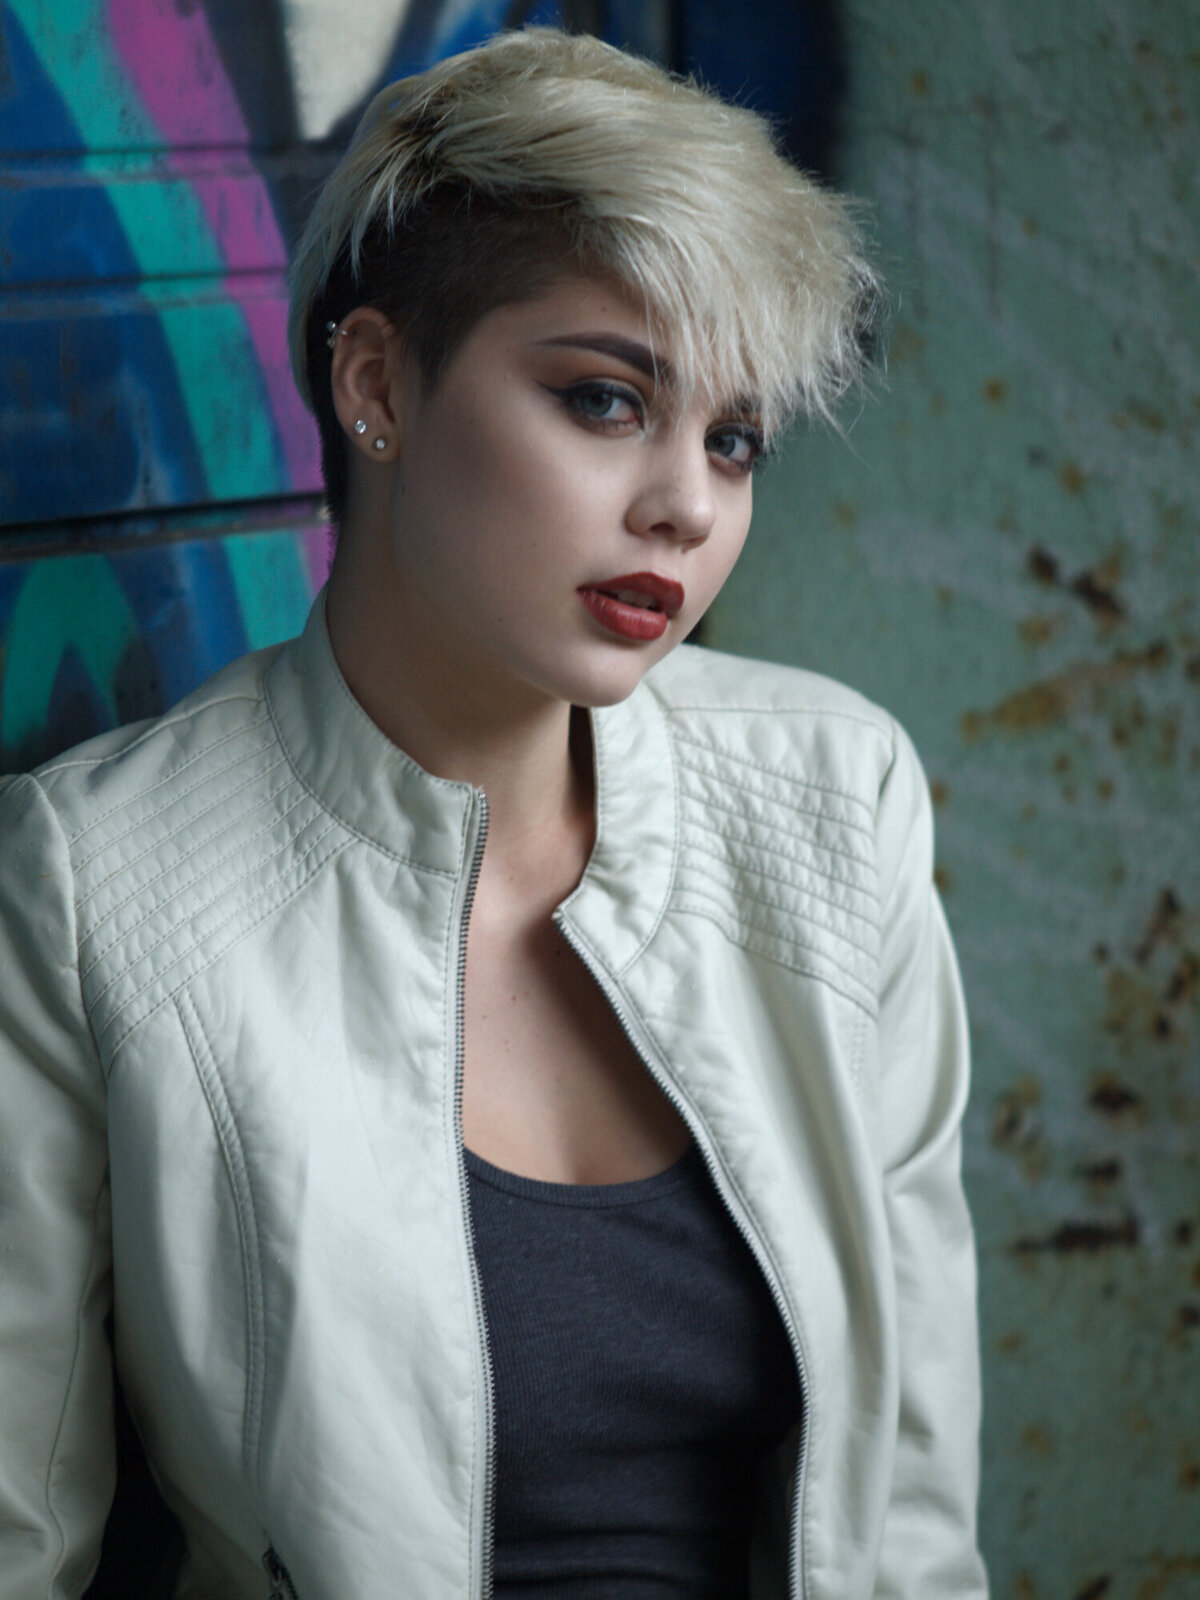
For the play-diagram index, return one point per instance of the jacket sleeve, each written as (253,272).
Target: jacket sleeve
(56,1449)
(929,1549)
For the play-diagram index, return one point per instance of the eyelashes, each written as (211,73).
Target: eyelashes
(615,407)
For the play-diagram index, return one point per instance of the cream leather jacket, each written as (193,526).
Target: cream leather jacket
(231,944)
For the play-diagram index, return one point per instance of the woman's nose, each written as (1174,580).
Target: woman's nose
(675,500)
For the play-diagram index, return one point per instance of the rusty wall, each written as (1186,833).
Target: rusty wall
(1005,552)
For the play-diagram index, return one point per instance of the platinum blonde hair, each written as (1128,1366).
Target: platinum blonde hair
(751,273)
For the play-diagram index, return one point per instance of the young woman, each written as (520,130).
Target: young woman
(503,1070)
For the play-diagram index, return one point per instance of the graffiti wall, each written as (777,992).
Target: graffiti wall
(159,478)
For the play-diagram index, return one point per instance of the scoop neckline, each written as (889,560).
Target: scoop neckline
(585,1194)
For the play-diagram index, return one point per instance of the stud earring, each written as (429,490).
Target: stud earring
(381,443)
(331,334)
(360,426)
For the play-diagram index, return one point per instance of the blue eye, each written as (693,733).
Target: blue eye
(602,402)
(740,445)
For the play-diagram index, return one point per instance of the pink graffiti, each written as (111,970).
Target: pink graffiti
(173,62)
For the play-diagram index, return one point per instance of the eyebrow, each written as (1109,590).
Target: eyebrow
(638,356)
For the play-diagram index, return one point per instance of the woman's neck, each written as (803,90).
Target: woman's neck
(529,754)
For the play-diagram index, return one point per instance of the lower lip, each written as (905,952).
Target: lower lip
(629,622)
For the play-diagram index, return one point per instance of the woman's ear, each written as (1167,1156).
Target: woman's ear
(365,366)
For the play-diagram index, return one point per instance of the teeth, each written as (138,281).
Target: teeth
(634,597)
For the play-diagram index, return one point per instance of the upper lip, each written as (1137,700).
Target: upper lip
(665,591)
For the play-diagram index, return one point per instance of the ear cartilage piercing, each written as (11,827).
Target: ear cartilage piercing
(381,443)
(331,334)
(360,426)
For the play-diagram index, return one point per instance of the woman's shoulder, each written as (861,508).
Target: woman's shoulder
(143,765)
(785,718)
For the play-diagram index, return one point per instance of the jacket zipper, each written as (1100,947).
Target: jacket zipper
(282,1587)
(489,1479)
(795,1575)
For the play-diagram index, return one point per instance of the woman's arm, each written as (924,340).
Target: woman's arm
(56,1451)
(929,1547)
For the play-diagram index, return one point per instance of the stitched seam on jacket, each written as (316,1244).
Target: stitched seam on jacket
(206,905)
(172,831)
(794,914)
(773,772)
(798,886)
(237,1172)
(365,838)
(62,764)
(705,800)
(723,781)
(772,932)
(170,777)
(706,806)
(751,938)
(267,911)
(209,867)
(678,708)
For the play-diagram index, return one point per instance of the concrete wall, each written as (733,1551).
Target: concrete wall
(1005,553)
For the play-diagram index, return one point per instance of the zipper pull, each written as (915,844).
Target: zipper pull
(282,1587)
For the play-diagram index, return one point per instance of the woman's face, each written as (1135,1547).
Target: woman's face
(557,523)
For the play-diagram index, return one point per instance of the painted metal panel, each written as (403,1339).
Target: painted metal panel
(1005,551)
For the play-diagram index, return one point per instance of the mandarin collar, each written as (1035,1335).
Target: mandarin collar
(382,794)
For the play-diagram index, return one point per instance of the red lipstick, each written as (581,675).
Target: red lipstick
(637,605)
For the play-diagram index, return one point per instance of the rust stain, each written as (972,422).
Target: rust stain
(1071,477)
(1095,586)
(1165,922)
(845,513)
(995,390)
(1037,1441)
(1189,1474)
(1042,565)
(1045,703)
(1039,629)
(943,879)
(1024,1587)
(1113,1098)
(1098,596)
(1095,1589)
(1013,1125)
(919,83)
(1073,1238)
(1169,1568)
(1040,705)
(1150,419)
(938,792)
(1100,1171)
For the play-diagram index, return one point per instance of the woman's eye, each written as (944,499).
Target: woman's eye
(603,402)
(740,446)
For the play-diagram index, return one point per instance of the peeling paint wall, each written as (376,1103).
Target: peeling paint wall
(1006,554)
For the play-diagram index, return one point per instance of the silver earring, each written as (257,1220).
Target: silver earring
(331,334)
(360,426)
(381,443)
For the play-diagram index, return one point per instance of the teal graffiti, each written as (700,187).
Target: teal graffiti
(271,584)
(71,603)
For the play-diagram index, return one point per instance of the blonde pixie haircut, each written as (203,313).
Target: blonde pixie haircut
(481,181)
